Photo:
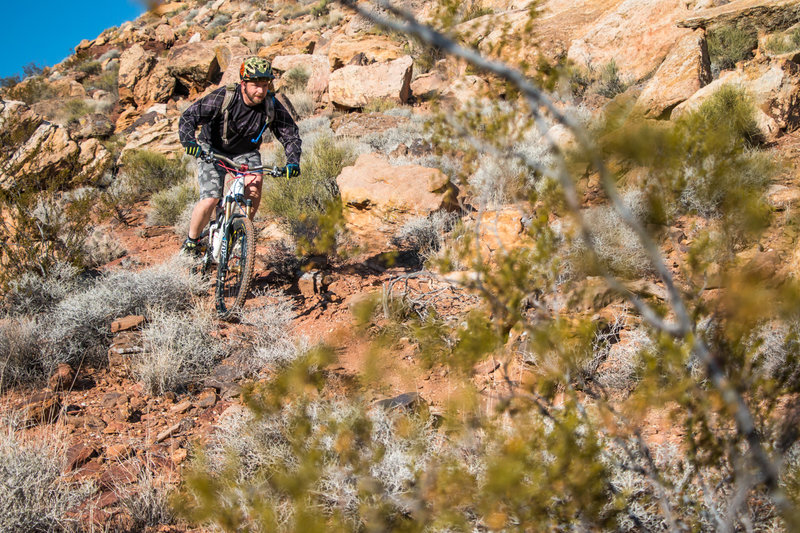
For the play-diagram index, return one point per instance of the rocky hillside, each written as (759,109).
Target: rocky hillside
(118,377)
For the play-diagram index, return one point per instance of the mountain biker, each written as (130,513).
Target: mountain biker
(233,121)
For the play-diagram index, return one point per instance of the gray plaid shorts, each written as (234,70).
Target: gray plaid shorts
(212,178)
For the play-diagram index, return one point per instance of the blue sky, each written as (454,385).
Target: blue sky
(46,31)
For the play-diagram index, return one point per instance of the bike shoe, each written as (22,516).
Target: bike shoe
(192,248)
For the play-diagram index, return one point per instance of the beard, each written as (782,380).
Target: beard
(254,97)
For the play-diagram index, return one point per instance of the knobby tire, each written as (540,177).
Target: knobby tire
(235,269)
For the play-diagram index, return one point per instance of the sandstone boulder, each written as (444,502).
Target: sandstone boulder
(466,89)
(637,35)
(376,49)
(158,86)
(93,161)
(766,15)
(17,124)
(160,135)
(429,85)
(48,154)
(68,88)
(134,64)
(194,65)
(299,42)
(685,71)
(229,58)
(502,229)
(316,65)
(93,125)
(374,184)
(165,34)
(774,86)
(354,86)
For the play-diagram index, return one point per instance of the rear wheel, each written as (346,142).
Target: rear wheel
(235,267)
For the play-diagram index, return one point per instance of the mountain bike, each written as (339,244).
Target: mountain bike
(231,236)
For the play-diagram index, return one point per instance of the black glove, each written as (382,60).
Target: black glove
(194,150)
(292,170)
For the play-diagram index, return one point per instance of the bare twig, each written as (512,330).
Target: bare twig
(684,327)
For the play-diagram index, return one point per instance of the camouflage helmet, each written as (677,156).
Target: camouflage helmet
(256,68)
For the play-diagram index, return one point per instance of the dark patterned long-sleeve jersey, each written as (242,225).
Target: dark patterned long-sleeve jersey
(245,125)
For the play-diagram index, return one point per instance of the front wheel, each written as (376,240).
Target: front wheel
(235,267)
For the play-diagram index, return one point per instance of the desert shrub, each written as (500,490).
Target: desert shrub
(309,204)
(33,292)
(90,67)
(33,496)
(268,338)
(780,44)
(146,501)
(742,174)
(181,226)
(220,20)
(179,349)
(75,109)
(167,206)
(295,79)
(605,81)
(318,124)
(608,82)
(145,173)
(20,363)
(333,448)
(80,324)
(709,163)
(107,80)
(496,181)
(475,9)
(380,105)
(114,53)
(8,82)
(425,235)
(320,9)
(101,247)
(31,90)
(39,231)
(617,246)
(729,44)
(775,355)
(302,102)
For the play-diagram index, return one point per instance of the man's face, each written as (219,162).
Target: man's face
(254,92)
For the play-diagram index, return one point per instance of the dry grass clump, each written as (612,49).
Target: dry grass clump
(178,349)
(145,173)
(33,293)
(309,205)
(617,245)
(80,323)
(425,235)
(268,335)
(33,496)
(101,247)
(302,102)
(19,346)
(167,206)
(775,353)
(146,501)
(622,367)
(396,447)
(500,180)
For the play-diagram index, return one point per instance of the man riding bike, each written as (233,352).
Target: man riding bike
(233,121)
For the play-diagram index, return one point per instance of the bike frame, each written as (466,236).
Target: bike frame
(234,203)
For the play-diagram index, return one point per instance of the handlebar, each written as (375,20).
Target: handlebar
(214,157)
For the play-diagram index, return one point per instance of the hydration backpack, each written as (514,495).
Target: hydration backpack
(230,92)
